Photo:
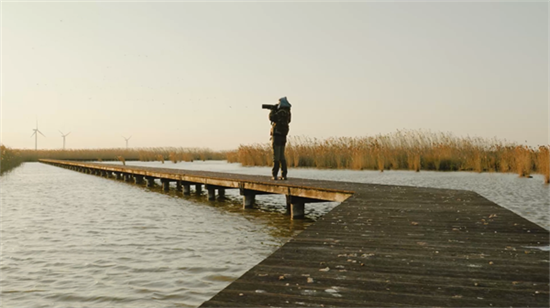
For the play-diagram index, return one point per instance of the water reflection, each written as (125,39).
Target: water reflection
(71,239)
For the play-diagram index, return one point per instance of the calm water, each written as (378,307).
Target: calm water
(71,239)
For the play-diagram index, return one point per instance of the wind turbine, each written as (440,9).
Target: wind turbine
(64,135)
(36,135)
(126,140)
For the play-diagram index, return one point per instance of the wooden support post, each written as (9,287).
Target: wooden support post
(248,200)
(118,175)
(221,193)
(150,181)
(249,197)
(297,209)
(198,188)
(296,206)
(186,189)
(165,184)
(288,202)
(138,179)
(128,177)
(178,185)
(211,193)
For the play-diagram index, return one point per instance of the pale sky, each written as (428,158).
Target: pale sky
(192,74)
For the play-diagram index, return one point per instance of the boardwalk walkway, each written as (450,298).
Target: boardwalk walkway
(395,246)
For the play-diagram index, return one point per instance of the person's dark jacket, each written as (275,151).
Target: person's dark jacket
(280,118)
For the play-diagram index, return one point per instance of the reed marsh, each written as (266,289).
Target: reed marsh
(142,154)
(401,150)
(404,150)
(9,158)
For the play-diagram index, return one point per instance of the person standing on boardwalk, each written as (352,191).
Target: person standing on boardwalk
(280,119)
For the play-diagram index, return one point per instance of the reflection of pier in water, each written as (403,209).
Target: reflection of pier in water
(383,246)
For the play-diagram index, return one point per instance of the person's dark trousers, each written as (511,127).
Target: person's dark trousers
(284,170)
(275,169)
(279,160)
(282,165)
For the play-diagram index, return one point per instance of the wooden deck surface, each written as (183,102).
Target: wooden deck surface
(392,246)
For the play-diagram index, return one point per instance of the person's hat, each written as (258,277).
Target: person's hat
(283,103)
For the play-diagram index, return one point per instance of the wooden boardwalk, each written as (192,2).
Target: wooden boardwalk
(298,191)
(392,246)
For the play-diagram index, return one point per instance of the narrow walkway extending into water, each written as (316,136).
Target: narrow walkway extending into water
(298,192)
(383,246)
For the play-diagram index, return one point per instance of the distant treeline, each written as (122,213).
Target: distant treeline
(404,150)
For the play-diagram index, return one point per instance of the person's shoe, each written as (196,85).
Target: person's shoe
(274,178)
(283,178)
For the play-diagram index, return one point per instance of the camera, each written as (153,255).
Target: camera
(268,106)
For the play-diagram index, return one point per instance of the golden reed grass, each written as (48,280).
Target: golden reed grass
(9,158)
(404,150)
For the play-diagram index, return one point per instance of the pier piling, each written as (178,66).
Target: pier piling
(186,189)
(138,179)
(165,185)
(249,200)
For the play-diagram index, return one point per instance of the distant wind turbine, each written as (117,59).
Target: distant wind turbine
(36,136)
(126,140)
(64,135)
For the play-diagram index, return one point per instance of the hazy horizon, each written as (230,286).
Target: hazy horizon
(194,75)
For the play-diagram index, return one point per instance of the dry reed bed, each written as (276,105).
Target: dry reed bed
(143,154)
(9,158)
(404,150)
